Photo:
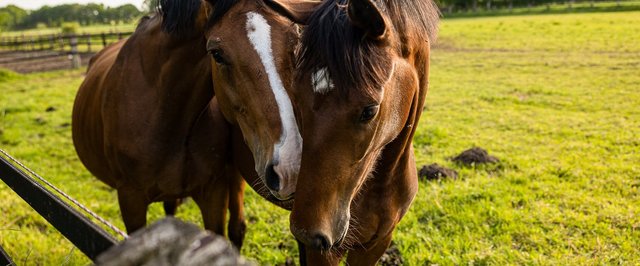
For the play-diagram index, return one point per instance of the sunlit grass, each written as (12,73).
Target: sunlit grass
(556,99)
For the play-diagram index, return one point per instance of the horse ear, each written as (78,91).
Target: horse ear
(297,11)
(365,15)
(211,2)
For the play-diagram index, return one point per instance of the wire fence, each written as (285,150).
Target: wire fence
(62,43)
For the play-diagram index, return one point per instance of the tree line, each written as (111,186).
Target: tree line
(15,18)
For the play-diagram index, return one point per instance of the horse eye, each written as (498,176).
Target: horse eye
(369,113)
(218,56)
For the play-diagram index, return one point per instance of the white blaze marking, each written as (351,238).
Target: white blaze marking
(290,143)
(321,81)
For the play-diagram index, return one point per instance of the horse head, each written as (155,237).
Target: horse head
(361,75)
(252,50)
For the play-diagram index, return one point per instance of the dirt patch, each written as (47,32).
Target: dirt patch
(475,155)
(435,172)
(36,61)
(391,257)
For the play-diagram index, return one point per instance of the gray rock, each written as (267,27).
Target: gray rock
(172,242)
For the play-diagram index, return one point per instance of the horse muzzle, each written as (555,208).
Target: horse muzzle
(322,240)
(279,182)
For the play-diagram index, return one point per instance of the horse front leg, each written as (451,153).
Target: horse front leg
(237,226)
(302,253)
(212,200)
(171,206)
(370,254)
(133,208)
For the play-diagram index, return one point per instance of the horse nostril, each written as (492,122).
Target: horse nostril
(273,180)
(320,242)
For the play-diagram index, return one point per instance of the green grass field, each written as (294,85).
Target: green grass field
(552,8)
(555,97)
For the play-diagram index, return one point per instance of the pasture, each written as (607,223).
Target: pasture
(554,97)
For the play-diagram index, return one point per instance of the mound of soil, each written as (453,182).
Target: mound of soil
(391,257)
(435,171)
(475,155)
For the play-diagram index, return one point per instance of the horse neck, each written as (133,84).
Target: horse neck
(177,67)
(172,78)
(408,40)
(397,161)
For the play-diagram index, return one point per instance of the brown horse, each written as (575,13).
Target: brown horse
(362,78)
(145,122)
(158,89)
(255,95)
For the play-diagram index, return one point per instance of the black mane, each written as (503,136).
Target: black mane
(331,41)
(220,7)
(178,16)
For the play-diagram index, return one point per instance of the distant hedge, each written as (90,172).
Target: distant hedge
(13,17)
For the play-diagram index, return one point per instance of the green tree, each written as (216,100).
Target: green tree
(150,5)
(11,16)
(54,16)
(127,13)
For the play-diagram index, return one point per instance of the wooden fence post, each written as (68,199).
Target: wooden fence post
(61,39)
(41,42)
(88,42)
(24,43)
(75,57)
(104,40)
(51,42)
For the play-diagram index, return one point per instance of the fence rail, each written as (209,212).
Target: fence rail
(84,234)
(5,259)
(61,42)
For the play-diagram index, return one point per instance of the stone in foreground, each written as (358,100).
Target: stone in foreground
(172,242)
